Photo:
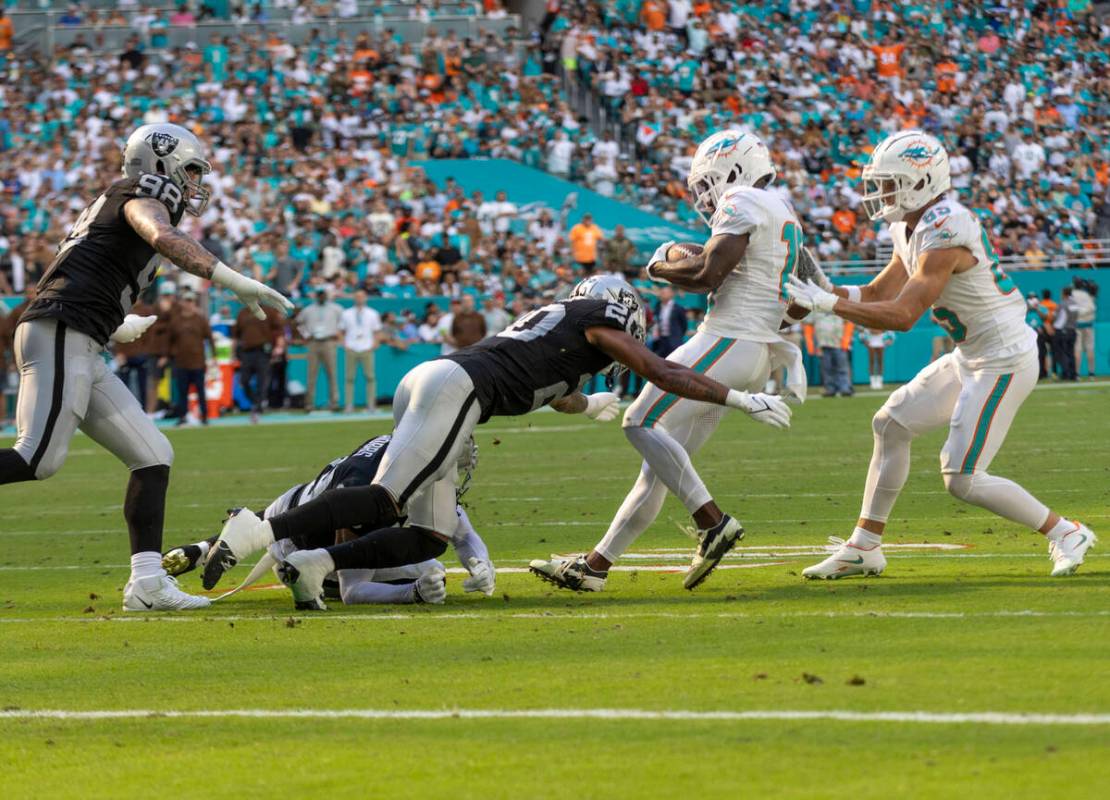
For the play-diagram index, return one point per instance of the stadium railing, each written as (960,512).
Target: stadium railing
(47,38)
(1078,254)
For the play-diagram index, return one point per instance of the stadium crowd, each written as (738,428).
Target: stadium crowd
(314,187)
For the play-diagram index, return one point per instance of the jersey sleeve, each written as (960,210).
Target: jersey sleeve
(157,187)
(944,227)
(739,213)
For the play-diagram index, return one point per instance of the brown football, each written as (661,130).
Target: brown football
(681,250)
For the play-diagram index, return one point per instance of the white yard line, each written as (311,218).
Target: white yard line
(560,616)
(617,714)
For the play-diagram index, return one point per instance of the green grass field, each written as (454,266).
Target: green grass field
(966,623)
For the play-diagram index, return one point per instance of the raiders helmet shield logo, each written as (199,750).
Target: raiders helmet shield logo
(162,143)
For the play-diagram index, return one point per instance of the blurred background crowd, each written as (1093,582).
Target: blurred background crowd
(317,125)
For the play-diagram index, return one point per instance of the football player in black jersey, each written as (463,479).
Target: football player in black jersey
(413,583)
(544,358)
(110,255)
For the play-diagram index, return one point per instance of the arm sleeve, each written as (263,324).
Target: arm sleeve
(738,214)
(467,542)
(356,589)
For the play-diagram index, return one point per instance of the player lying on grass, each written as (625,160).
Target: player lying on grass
(409,583)
(943,259)
(84,299)
(544,358)
(755,238)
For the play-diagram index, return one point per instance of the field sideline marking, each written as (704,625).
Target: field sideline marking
(562,616)
(620,714)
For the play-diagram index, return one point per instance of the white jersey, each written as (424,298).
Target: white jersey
(981,308)
(749,304)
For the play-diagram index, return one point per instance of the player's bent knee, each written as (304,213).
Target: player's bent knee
(960,485)
(885,426)
(50,464)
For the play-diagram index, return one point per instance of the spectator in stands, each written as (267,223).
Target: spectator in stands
(468,325)
(620,255)
(318,324)
(7,31)
(584,240)
(253,342)
(497,318)
(361,326)
(669,330)
(189,332)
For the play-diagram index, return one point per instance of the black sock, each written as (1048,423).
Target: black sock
(371,507)
(144,508)
(13,469)
(314,540)
(389,547)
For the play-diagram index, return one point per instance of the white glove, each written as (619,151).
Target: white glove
(132,327)
(431,587)
(482,577)
(765,408)
(809,269)
(660,255)
(810,295)
(250,292)
(602,406)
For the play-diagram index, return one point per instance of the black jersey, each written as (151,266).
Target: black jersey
(356,469)
(542,357)
(102,265)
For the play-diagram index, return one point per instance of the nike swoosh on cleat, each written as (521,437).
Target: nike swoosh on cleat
(857,560)
(145,603)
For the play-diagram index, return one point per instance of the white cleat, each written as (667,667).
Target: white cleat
(1067,552)
(243,535)
(569,572)
(304,572)
(848,560)
(160,593)
(713,544)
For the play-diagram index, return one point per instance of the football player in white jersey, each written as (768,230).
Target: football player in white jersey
(756,239)
(944,260)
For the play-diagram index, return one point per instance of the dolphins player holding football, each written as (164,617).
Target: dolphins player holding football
(756,239)
(944,260)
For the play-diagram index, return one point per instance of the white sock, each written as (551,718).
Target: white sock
(146,565)
(1060,529)
(204,548)
(890,466)
(865,540)
(325,556)
(640,508)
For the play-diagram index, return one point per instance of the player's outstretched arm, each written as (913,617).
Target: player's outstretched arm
(677,379)
(706,271)
(150,219)
(602,406)
(898,314)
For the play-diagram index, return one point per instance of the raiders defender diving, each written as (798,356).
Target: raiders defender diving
(412,583)
(544,358)
(110,255)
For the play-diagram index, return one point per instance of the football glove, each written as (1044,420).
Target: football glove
(132,328)
(602,406)
(430,587)
(250,292)
(809,295)
(809,269)
(765,408)
(660,255)
(482,576)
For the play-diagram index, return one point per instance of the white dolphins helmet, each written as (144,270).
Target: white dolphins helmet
(905,172)
(727,158)
(172,151)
